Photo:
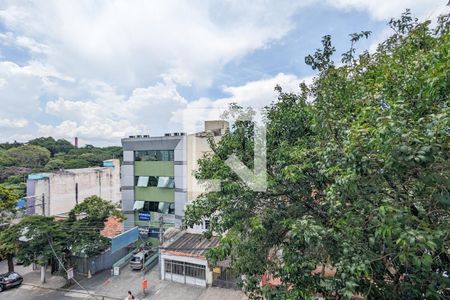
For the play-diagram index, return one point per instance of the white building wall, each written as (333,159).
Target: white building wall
(128,155)
(60,187)
(179,153)
(127,177)
(180,176)
(181,278)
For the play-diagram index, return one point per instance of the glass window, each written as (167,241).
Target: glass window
(158,181)
(172,208)
(154,155)
(166,182)
(142,181)
(153,181)
(159,207)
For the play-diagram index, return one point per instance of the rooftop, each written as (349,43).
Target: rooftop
(190,244)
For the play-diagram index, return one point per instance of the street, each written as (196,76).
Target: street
(26,292)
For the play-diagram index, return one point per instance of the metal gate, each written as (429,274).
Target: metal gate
(184,272)
(225,279)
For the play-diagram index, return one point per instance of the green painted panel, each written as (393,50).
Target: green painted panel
(153,168)
(154,194)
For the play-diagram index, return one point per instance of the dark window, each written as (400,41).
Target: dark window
(154,155)
(206,224)
(159,207)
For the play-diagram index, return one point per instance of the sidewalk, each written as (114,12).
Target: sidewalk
(117,286)
(106,286)
(33,277)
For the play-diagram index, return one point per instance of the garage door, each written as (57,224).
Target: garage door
(184,272)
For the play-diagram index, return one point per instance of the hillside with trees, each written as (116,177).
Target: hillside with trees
(46,154)
(358,166)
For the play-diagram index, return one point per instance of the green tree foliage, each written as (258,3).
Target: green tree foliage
(28,156)
(9,245)
(85,223)
(52,145)
(8,201)
(358,177)
(55,164)
(38,235)
(96,208)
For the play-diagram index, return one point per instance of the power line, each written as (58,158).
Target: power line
(62,265)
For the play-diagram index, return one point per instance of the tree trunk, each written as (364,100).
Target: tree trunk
(10,263)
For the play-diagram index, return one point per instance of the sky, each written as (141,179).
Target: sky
(104,70)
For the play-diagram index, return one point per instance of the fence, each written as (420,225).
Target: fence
(104,261)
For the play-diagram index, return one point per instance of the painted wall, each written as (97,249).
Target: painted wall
(60,187)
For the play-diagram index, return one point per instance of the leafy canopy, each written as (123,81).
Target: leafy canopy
(358,177)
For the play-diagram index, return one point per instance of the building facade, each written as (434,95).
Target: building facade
(153,181)
(158,176)
(56,193)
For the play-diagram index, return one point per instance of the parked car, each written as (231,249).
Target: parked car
(9,280)
(137,262)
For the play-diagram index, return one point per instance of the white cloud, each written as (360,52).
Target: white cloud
(152,110)
(13,123)
(9,39)
(22,86)
(111,116)
(387,9)
(132,43)
(114,68)
(255,94)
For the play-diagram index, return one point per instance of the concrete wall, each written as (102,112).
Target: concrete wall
(60,187)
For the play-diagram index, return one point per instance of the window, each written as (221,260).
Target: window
(159,207)
(172,208)
(157,181)
(166,182)
(154,155)
(142,181)
(206,224)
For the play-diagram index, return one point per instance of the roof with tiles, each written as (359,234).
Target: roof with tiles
(192,245)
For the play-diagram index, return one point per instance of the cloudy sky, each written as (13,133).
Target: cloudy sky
(103,70)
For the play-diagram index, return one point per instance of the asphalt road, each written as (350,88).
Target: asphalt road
(25,292)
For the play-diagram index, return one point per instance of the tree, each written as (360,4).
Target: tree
(54,164)
(41,238)
(9,245)
(96,208)
(54,146)
(29,156)
(84,231)
(8,201)
(358,177)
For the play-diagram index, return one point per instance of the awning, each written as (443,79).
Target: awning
(143,181)
(165,182)
(138,205)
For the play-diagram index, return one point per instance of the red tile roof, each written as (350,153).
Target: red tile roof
(113,227)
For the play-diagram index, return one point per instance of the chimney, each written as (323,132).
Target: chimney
(76,142)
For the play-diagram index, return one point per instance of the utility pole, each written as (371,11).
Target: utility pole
(161,241)
(44,267)
(43,204)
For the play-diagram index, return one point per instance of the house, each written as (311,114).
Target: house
(183,259)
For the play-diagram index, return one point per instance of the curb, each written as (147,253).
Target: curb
(71,291)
